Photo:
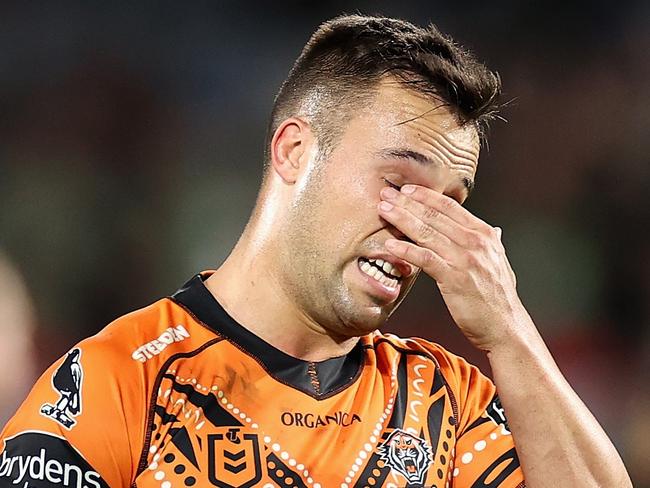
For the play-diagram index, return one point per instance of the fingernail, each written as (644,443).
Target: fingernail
(408,189)
(385,206)
(389,193)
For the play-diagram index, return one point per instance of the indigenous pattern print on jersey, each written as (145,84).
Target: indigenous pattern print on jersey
(178,394)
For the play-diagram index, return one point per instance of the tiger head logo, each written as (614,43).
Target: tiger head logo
(407,454)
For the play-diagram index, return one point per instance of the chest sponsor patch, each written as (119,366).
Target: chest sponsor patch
(42,460)
(314,421)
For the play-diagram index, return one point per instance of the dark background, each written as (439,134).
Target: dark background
(131,140)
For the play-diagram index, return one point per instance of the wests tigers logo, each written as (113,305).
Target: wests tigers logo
(407,454)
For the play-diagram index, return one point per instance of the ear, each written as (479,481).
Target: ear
(290,147)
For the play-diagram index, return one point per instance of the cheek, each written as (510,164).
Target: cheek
(356,216)
(349,197)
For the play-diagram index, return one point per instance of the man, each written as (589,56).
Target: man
(270,371)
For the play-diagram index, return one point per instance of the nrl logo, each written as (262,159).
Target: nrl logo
(67,381)
(234,459)
(407,454)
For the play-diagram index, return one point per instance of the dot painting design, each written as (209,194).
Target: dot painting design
(469,456)
(285,478)
(368,447)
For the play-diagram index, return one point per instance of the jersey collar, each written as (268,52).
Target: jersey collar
(320,379)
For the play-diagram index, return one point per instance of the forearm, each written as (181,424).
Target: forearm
(558,441)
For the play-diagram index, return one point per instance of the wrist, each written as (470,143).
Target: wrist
(520,336)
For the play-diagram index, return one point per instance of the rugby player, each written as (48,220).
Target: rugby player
(271,370)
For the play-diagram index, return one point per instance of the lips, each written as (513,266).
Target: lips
(380,270)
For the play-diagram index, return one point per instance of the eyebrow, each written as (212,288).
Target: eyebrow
(420,158)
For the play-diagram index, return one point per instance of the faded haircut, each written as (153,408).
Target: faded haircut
(343,62)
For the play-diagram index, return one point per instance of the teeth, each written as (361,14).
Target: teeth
(374,272)
(390,283)
(387,267)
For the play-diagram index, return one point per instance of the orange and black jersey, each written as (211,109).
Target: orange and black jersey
(179,394)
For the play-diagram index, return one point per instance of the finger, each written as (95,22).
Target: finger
(445,205)
(433,217)
(426,259)
(420,232)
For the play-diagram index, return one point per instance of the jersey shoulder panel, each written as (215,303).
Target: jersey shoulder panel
(485,451)
(92,404)
(153,334)
(470,389)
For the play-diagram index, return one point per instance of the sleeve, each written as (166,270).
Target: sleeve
(82,424)
(485,455)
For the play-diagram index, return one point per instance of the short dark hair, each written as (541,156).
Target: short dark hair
(345,59)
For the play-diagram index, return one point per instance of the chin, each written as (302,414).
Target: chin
(361,317)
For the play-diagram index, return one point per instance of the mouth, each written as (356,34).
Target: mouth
(381,271)
(410,466)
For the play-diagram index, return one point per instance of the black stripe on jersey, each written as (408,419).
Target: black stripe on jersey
(367,472)
(142,464)
(396,422)
(331,375)
(401,399)
(434,422)
(476,423)
(280,466)
(495,482)
(431,357)
(494,412)
(438,382)
(179,435)
(212,409)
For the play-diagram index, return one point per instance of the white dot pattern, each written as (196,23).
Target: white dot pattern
(479,446)
(221,395)
(379,427)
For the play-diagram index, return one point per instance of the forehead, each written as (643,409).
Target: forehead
(401,117)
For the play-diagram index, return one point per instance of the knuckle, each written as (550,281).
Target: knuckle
(425,231)
(476,241)
(449,204)
(427,258)
(430,213)
(410,254)
(472,260)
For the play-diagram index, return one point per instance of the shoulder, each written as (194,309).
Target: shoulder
(463,378)
(445,360)
(94,401)
(147,337)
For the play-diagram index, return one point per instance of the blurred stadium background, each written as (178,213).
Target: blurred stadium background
(131,137)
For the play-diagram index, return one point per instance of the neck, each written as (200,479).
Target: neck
(248,286)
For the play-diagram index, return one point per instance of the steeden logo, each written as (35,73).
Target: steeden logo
(155,347)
